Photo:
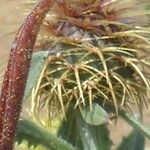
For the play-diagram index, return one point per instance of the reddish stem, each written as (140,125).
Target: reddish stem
(16,74)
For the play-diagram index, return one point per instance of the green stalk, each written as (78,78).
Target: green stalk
(36,135)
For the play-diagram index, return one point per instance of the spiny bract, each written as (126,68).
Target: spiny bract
(98,52)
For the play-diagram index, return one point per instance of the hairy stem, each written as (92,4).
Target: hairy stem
(16,74)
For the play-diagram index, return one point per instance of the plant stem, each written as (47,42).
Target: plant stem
(16,74)
(35,135)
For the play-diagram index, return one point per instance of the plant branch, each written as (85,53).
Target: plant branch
(35,135)
(16,74)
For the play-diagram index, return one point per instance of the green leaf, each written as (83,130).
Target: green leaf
(82,135)
(36,135)
(69,131)
(96,116)
(135,141)
(93,137)
(133,121)
(36,67)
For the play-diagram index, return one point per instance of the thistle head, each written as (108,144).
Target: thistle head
(97,52)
